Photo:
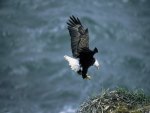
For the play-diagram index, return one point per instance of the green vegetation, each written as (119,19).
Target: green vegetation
(118,101)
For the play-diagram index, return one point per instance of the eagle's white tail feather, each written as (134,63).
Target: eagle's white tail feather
(73,63)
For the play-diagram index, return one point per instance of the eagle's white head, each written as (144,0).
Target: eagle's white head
(96,64)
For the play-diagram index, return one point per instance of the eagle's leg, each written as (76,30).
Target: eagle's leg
(84,73)
(79,72)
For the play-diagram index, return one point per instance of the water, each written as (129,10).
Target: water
(34,78)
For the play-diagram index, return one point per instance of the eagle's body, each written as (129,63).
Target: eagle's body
(82,55)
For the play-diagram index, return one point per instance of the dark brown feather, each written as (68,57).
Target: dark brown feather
(79,36)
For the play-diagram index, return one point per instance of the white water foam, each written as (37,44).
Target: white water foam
(68,109)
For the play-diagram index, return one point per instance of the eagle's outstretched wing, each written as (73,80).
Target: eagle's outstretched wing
(79,36)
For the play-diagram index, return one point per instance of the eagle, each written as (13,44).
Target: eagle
(83,56)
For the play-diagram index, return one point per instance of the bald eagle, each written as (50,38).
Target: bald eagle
(82,56)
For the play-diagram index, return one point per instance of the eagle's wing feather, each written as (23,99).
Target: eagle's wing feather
(79,36)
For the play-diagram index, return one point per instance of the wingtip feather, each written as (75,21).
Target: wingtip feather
(74,21)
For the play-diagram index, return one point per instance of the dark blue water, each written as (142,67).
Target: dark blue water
(35,78)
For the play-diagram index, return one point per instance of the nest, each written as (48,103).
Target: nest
(118,101)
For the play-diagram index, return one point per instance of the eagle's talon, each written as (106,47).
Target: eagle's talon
(88,77)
